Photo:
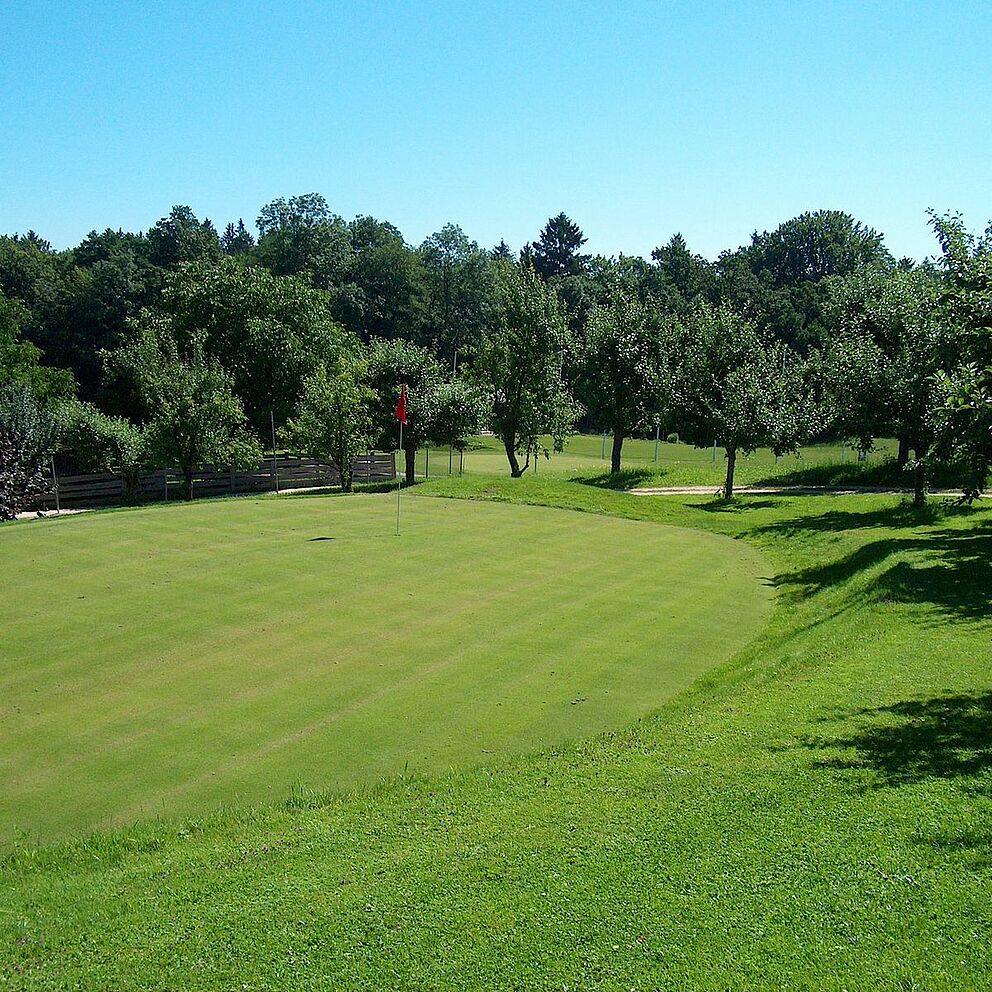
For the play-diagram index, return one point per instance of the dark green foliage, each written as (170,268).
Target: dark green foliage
(458,288)
(556,252)
(301,237)
(181,237)
(268,332)
(236,240)
(679,278)
(783,279)
(815,246)
(389,283)
(20,361)
(502,253)
(78,302)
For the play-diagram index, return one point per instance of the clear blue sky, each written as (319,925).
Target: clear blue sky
(637,119)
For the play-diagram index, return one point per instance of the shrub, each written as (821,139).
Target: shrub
(27,438)
(98,443)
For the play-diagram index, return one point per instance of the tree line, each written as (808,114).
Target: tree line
(183,346)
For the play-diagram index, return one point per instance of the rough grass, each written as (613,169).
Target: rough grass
(171,659)
(812,814)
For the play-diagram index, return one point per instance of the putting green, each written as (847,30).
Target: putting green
(170,660)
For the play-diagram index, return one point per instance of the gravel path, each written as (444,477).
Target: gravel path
(782,491)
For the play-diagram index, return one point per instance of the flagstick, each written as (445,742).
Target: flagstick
(399,481)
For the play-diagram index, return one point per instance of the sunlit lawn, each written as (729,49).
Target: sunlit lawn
(662,463)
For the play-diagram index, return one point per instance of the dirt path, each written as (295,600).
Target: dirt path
(33,514)
(783,491)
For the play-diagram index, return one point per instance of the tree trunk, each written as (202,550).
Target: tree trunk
(188,484)
(511,456)
(411,465)
(903,457)
(728,488)
(919,482)
(615,456)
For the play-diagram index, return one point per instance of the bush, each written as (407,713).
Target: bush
(98,443)
(672,438)
(27,438)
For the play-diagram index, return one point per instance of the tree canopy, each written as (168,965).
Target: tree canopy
(519,368)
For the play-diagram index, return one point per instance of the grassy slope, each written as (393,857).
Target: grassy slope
(175,658)
(812,815)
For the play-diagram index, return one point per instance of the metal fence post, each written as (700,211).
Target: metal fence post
(657,440)
(275,464)
(55,483)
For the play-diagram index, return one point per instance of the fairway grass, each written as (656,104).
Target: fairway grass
(172,660)
(811,814)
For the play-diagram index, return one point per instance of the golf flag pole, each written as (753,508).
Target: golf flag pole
(401,417)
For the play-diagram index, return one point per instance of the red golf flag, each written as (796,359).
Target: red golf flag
(401,406)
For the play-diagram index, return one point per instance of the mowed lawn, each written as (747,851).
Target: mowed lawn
(812,814)
(172,660)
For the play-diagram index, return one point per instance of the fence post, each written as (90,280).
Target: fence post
(451,455)
(427,463)
(603,455)
(714,452)
(55,483)
(165,480)
(657,440)
(275,464)
(461,461)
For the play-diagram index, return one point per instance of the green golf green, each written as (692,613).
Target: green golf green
(171,660)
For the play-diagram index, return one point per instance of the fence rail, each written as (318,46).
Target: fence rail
(283,472)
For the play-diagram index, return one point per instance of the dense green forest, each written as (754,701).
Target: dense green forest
(186,346)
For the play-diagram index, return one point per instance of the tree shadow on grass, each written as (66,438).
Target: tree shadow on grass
(912,741)
(916,741)
(736,505)
(945,568)
(627,478)
(884,473)
(901,515)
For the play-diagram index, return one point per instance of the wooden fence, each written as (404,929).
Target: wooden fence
(283,472)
